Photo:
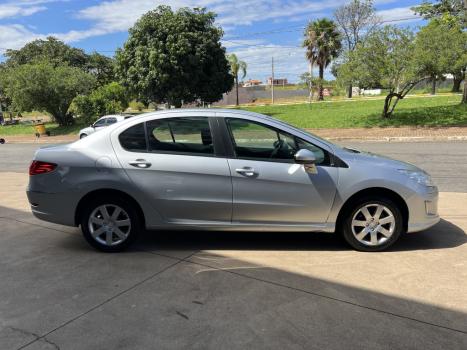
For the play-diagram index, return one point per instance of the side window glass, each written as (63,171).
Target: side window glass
(111,121)
(185,135)
(322,157)
(257,141)
(100,122)
(133,139)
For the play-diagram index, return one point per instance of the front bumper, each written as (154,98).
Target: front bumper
(423,211)
(53,207)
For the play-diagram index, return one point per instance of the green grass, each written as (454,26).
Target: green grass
(413,111)
(25,129)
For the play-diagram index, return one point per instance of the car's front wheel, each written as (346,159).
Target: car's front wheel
(82,136)
(373,224)
(109,224)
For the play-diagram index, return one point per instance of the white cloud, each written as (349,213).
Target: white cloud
(398,14)
(11,10)
(15,36)
(119,15)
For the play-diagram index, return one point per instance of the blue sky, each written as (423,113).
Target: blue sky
(255,30)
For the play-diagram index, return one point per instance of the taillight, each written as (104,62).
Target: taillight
(37,167)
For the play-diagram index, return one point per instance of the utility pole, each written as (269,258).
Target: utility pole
(272,81)
(464,95)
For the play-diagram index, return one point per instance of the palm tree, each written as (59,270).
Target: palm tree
(323,44)
(237,66)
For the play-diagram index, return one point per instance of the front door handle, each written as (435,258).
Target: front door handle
(246,171)
(140,163)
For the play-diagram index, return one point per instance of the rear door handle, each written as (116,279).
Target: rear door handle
(140,163)
(246,171)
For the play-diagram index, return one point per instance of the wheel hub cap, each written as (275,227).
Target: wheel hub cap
(109,224)
(373,224)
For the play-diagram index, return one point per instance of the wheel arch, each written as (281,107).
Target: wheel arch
(374,191)
(100,193)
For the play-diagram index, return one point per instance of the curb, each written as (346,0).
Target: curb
(398,138)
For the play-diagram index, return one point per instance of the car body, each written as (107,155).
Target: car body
(214,169)
(101,123)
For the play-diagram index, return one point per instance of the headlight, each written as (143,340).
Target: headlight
(419,176)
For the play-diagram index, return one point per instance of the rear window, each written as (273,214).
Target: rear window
(184,135)
(134,139)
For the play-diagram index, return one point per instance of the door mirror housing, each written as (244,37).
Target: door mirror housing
(304,156)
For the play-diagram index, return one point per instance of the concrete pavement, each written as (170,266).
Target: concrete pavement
(229,290)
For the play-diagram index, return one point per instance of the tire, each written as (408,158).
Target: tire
(375,234)
(82,136)
(110,224)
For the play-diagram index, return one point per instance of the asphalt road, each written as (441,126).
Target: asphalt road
(445,161)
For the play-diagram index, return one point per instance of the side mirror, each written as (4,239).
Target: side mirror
(304,156)
(91,125)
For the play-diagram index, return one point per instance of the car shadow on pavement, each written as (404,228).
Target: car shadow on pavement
(443,235)
(55,289)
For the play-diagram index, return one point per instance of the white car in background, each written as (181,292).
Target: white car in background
(101,123)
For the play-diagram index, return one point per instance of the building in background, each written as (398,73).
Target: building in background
(278,81)
(252,82)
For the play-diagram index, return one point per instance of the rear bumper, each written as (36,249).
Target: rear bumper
(423,211)
(53,207)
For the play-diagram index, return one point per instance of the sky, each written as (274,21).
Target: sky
(256,30)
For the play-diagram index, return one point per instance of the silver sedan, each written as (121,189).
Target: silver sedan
(225,170)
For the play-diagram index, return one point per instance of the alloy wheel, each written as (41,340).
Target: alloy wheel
(373,224)
(109,224)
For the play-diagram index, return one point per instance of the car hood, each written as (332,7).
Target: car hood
(355,156)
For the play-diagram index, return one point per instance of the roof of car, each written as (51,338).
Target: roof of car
(198,110)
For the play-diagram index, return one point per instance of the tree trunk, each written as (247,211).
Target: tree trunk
(456,84)
(236,88)
(464,95)
(433,86)
(349,91)
(320,86)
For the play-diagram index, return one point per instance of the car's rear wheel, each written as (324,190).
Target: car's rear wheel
(373,224)
(109,224)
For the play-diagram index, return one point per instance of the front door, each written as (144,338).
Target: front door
(268,186)
(177,168)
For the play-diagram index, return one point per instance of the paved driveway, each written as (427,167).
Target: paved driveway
(229,290)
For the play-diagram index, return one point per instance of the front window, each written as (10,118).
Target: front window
(100,122)
(253,140)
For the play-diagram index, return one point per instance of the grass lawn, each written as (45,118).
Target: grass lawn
(412,111)
(25,129)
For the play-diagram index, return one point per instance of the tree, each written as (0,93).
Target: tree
(107,99)
(236,67)
(101,67)
(323,44)
(385,59)
(448,10)
(439,49)
(452,13)
(175,57)
(42,86)
(356,20)
(49,50)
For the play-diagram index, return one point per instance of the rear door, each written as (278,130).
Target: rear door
(176,163)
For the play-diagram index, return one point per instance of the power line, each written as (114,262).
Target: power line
(274,31)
